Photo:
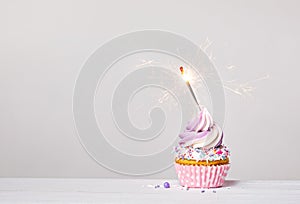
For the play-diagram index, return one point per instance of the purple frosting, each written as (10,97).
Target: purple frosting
(202,131)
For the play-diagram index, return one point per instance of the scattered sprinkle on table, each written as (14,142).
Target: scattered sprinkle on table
(167,185)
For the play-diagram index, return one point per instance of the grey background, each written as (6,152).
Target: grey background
(45,43)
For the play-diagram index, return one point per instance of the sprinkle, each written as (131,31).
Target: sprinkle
(167,185)
(219,152)
(214,191)
(156,186)
(202,191)
(197,149)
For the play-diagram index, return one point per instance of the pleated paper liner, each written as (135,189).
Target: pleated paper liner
(199,176)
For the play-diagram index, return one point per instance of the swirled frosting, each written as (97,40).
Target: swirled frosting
(202,132)
(201,140)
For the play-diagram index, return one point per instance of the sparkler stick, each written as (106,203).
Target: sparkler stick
(185,77)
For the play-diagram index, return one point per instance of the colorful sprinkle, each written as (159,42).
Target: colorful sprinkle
(200,153)
(167,185)
(219,152)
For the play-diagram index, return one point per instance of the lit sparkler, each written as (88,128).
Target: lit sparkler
(187,81)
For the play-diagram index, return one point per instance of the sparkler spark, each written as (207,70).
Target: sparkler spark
(230,67)
(242,89)
(234,86)
(145,62)
(207,43)
(239,88)
(165,96)
(205,46)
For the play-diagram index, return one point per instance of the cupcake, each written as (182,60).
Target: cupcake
(201,160)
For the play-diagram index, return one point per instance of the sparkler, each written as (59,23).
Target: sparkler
(187,81)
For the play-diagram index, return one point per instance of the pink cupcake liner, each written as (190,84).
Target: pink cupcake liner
(201,176)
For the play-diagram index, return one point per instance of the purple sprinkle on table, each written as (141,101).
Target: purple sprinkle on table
(167,185)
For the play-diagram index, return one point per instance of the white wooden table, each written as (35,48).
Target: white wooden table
(143,191)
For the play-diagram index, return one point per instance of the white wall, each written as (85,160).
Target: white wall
(45,43)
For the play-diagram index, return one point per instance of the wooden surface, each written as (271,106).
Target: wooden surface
(143,191)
